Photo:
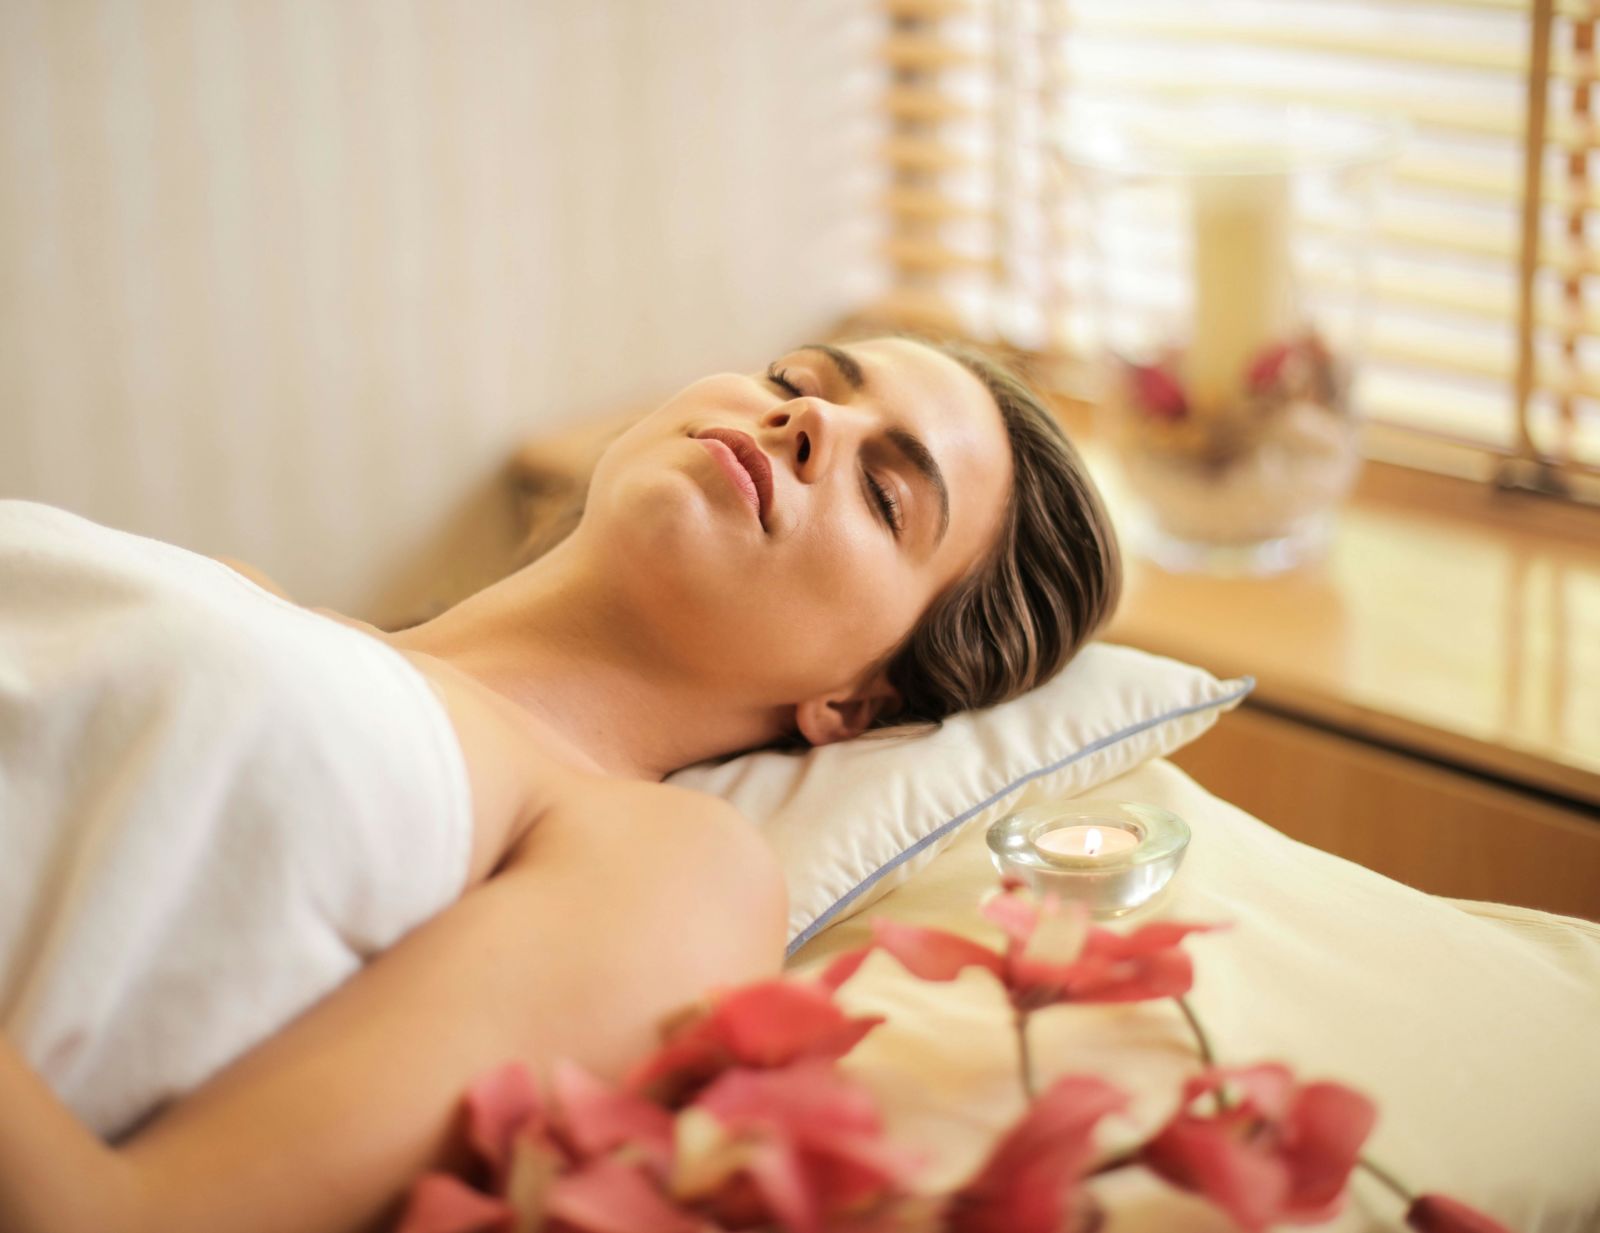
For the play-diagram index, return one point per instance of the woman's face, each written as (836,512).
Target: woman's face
(796,602)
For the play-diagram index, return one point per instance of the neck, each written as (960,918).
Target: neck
(575,651)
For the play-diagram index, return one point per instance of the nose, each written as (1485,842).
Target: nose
(815,430)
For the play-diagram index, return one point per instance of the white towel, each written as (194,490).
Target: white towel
(214,806)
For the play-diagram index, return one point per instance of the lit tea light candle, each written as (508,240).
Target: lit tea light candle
(1086,840)
(1113,856)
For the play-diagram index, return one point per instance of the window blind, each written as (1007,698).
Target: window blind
(1483,322)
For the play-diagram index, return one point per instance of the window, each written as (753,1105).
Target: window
(982,233)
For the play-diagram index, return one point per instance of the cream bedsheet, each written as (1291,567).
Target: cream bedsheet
(1475,1027)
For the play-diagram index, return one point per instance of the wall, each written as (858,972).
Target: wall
(288,281)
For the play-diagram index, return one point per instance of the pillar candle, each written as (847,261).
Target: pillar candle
(1241,264)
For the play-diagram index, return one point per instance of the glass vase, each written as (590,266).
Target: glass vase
(1229,248)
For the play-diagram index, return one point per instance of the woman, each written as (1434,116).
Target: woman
(857,539)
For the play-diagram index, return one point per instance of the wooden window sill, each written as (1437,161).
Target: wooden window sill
(1448,620)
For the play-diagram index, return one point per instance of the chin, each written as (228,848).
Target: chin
(657,518)
(675,543)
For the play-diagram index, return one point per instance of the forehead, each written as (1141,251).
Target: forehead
(924,387)
(950,408)
(938,398)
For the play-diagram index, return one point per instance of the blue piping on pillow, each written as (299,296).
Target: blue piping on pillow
(810,931)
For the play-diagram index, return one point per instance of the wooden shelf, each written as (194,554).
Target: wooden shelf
(1447,620)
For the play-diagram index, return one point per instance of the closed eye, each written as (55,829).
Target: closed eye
(780,378)
(888,503)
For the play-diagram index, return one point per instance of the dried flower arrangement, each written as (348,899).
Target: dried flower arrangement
(1285,447)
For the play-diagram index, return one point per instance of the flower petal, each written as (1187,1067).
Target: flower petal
(1143,965)
(598,1118)
(1437,1213)
(499,1103)
(1029,1179)
(607,1196)
(1268,1088)
(852,1171)
(811,1098)
(1205,1157)
(683,1064)
(1060,935)
(774,1165)
(439,1203)
(1157,392)
(771,1023)
(768,1023)
(843,967)
(1014,909)
(1157,936)
(932,954)
(1267,365)
(1322,1138)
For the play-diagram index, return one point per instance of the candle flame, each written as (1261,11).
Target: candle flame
(1092,842)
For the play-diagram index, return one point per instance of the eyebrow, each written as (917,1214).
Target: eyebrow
(847,364)
(910,446)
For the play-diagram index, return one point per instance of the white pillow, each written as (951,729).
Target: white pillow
(853,820)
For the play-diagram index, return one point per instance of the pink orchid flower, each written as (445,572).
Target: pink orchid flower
(1437,1213)
(1029,1184)
(1267,367)
(763,1025)
(1157,392)
(800,1147)
(1050,957)
(1284,1152)
(588,1167)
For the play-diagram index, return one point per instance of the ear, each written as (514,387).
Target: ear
(843,715)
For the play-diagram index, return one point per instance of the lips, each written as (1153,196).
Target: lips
(752,458)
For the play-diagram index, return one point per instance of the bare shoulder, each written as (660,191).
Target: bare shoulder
(608,802)
(597,811)
(680,801)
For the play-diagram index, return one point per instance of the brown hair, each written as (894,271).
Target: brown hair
(1051,578)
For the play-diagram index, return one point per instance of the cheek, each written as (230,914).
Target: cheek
(724,400)
(847,598)
(842,562)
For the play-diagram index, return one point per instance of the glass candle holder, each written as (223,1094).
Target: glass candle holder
(1054,849)
(1229,247)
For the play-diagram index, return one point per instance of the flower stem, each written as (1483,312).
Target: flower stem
(1387,1178)
(1121,1160)
(1024,1056)
(1206,1055)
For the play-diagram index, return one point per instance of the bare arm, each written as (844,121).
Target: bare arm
(55,1173)
(322,1127)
